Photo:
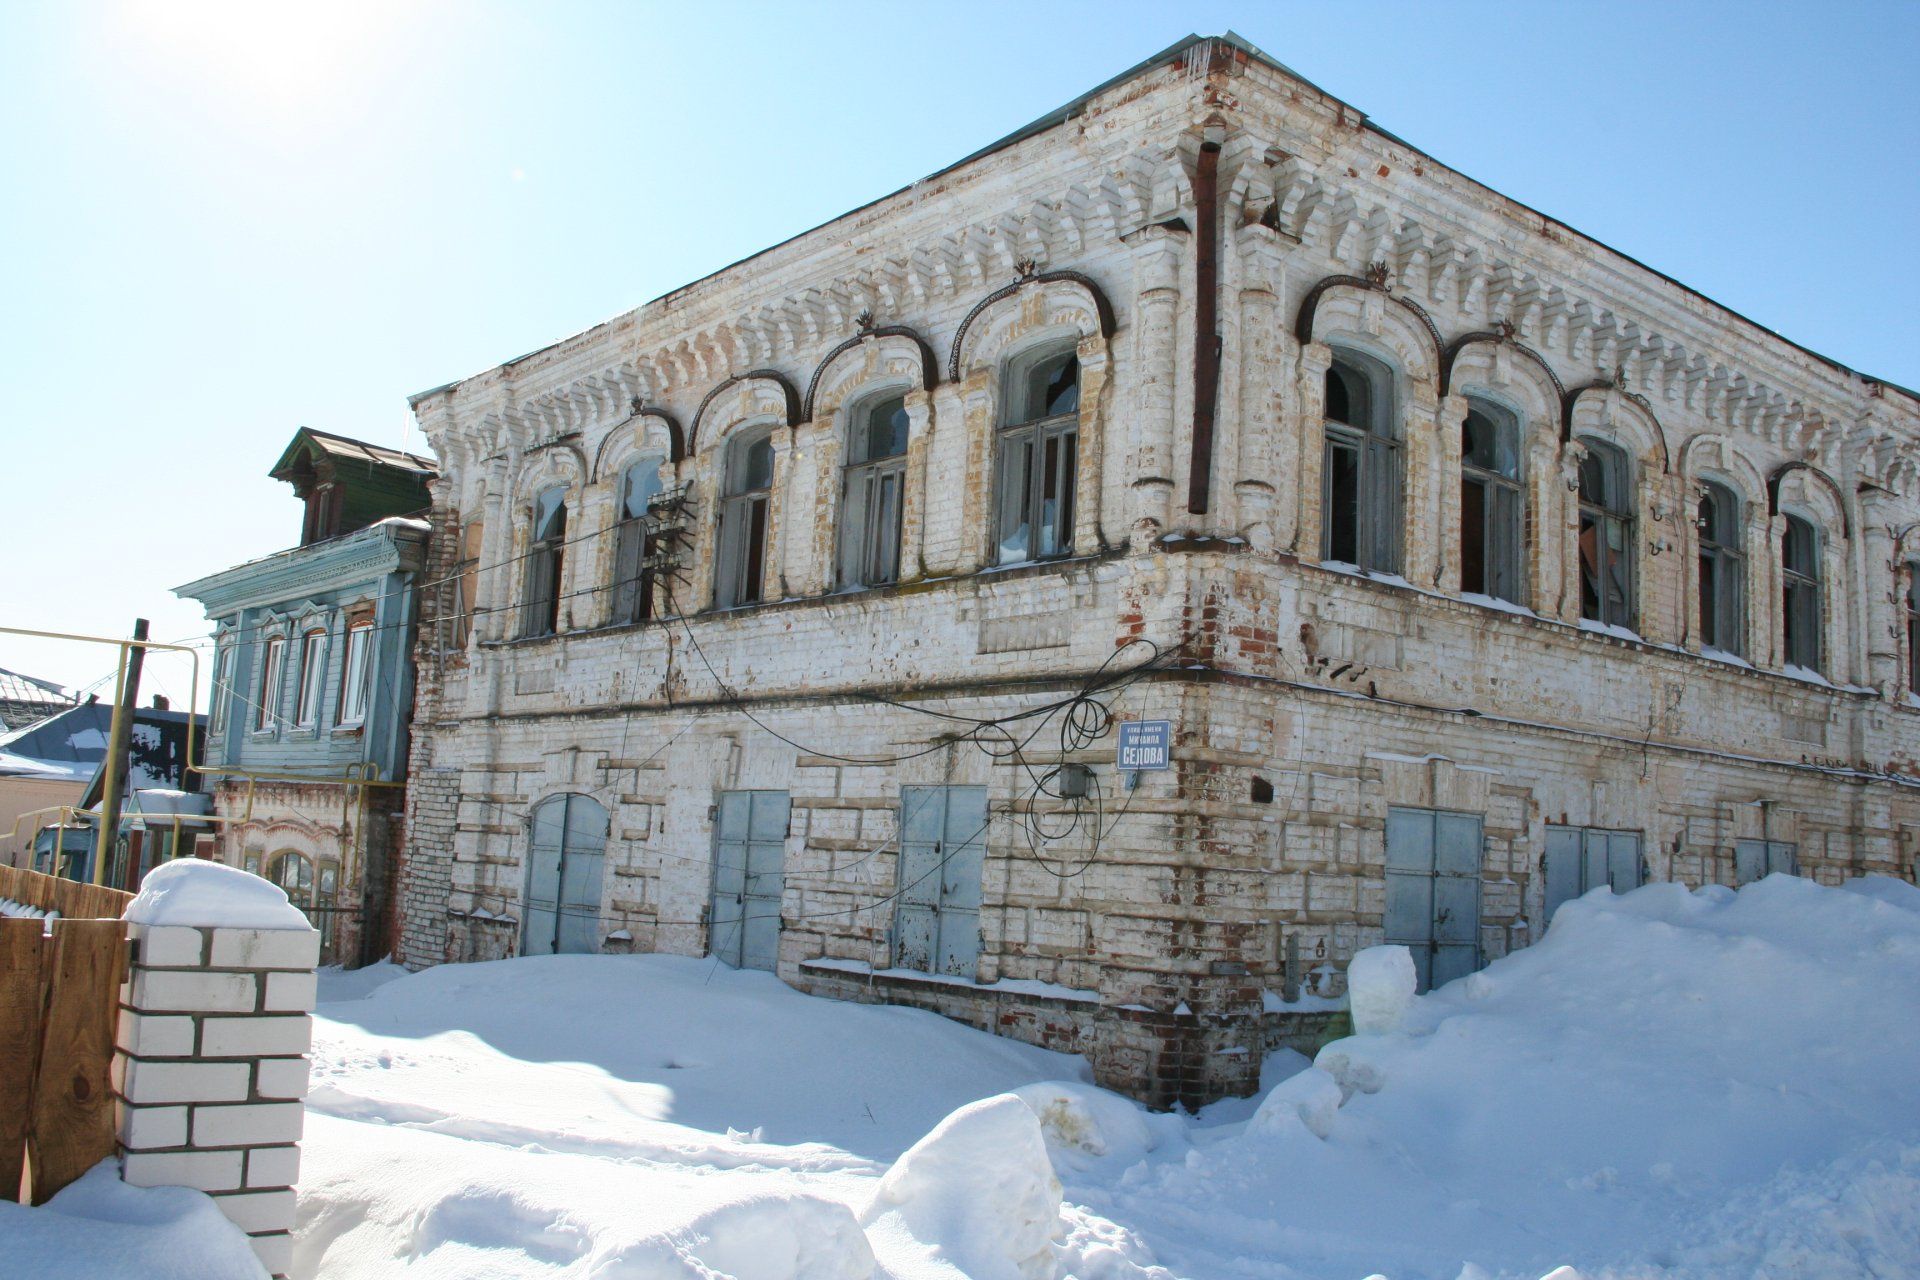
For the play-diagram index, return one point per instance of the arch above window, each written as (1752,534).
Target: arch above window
(1069,296)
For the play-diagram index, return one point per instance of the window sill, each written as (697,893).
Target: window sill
(354,730)
(1394,583)
(302,733)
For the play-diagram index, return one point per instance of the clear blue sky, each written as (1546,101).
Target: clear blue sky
(223,221)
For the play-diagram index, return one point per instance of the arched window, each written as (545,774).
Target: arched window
(1360,473)
(1039,442)
(634,541)
(1606,536)
(740,575)
(267,703)
(314,891)
(566,852)
(1800,594)
(870,498)
(1491,503)
(540,606)
(1723,570)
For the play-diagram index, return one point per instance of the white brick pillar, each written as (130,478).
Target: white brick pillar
(210,1069)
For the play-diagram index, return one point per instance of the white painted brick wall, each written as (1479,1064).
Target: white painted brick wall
(1306,675)
(211,1071)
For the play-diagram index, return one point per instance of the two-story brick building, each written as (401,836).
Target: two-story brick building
(1474,564)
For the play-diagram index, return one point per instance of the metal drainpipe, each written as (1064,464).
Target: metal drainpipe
(1206,312)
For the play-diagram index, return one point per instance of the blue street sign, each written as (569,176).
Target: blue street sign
(1145,744)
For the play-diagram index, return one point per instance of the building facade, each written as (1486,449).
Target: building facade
(313,689)
(791,618)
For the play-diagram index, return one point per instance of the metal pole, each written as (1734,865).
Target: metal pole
(119,742)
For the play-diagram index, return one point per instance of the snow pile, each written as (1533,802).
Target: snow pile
(1670,1084)
(977,1195)
(1380,986)
(630,1116)
(99,1228)
(190,891)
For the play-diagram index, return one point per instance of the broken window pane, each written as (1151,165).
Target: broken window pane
(1606,537)
(540,606)
(1343,501)
(740,574)
(1362,484)
(1034,481)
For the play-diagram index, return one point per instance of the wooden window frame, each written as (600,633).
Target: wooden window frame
(1378,465)
(1720,570)
(1036,471)
(354,692)
(872,502)
(1502,511)
(1605,517)
(1802,598)
(546,561)
(313,678)
(745,524)
(634,541)
(273,662)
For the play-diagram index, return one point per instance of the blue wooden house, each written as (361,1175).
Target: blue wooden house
(313,688)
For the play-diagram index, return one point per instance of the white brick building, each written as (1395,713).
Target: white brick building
(1492,565)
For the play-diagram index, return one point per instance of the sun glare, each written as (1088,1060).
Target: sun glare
(299,60)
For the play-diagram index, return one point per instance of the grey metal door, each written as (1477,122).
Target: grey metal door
(566,855)
(749,878)
(1753,859)
(1433,891)
(943,843)
(1582,858)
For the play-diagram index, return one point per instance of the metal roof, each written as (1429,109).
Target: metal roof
(356,450)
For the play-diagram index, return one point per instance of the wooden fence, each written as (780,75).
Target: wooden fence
(59,1005)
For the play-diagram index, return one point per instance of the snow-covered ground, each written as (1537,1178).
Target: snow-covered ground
(1669,1085)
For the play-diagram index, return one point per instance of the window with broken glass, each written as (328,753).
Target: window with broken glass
(1034,477)
(870,497)
(1800,594)
(1606,536)
(634,542)
(540,605)
(1360,473)
(1491,503)
(1723,570)
(740,575)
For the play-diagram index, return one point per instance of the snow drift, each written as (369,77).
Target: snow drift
(99,1228)
(1671,1085)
